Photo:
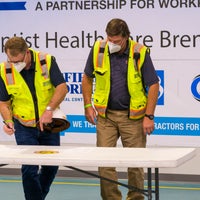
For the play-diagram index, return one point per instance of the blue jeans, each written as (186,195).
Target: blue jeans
(36,183)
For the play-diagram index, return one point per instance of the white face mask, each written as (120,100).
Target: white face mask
(113,48)
(19,66)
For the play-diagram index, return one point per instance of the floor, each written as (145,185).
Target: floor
(88,189)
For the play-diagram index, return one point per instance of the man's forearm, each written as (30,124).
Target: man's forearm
(152,98)
(87,84)
(58,96)
(5,110)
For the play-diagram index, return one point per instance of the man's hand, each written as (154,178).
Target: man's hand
(46,118)
(90,115)
(9,128)
(148,125)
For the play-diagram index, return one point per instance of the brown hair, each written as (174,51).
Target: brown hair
(117,27)
(16,45)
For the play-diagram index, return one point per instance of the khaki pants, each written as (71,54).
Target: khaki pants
(109,130)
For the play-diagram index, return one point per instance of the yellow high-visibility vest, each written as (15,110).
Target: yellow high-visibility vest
(101,60)
(21,98)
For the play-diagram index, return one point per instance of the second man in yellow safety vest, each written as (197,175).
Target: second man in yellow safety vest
(125,95)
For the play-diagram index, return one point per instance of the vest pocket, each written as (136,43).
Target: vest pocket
(101,71)
(14,90)
(99,99)
(46,86)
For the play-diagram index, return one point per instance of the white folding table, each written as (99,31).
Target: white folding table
(73,157)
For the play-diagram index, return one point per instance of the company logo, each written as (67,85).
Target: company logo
(160,74)
(20,5)
(195,87)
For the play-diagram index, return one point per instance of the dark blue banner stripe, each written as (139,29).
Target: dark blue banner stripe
(12,5)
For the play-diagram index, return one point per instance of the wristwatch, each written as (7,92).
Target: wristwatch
(49,108)
(151,117)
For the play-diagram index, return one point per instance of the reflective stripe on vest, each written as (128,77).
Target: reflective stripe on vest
(136,55)
(101,110)
(25,123)
(101,53)
(135,114)
(43,64)
(9,75)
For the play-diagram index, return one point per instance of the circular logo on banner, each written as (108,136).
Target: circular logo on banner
(195,88)
(46,152)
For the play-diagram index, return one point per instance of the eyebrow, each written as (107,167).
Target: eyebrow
(115,40)
(8,60)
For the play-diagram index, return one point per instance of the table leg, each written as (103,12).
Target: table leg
(157,183)
(149,182)
(1,165)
